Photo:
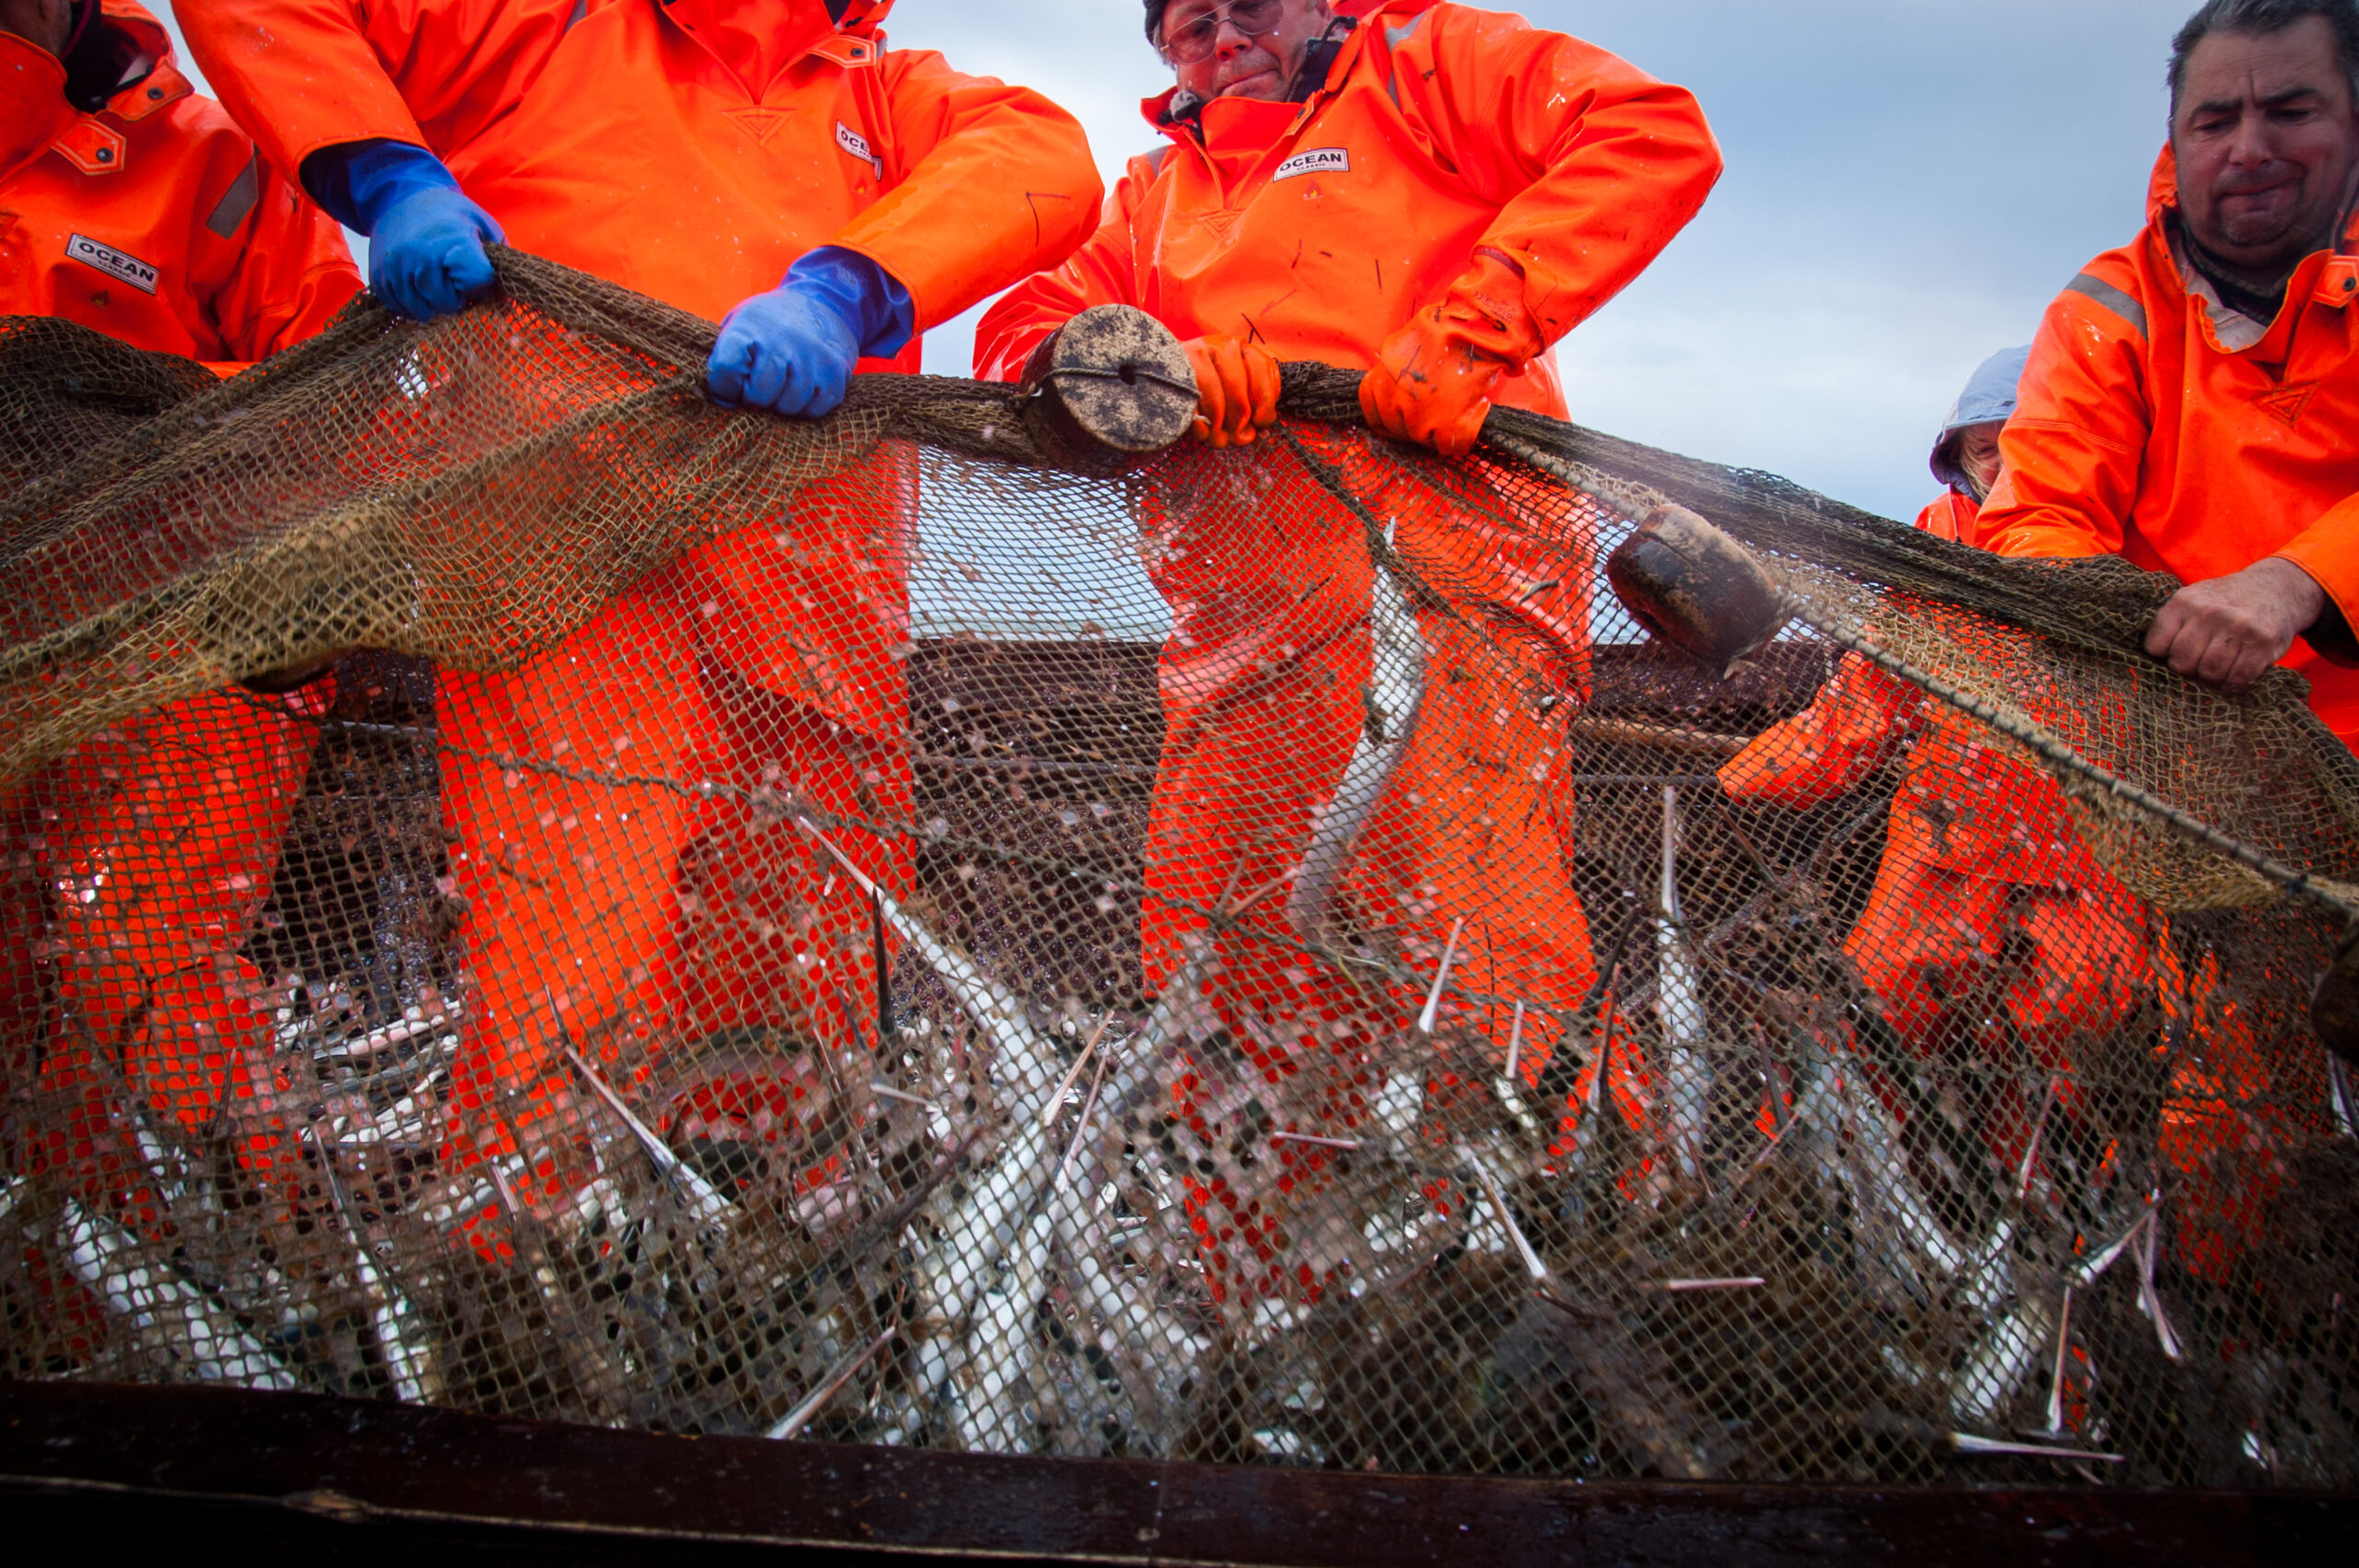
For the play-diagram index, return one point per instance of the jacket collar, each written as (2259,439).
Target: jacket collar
(35,117)
(163,84)
(764,39)
(861,18)
(33,110)
(1360,10)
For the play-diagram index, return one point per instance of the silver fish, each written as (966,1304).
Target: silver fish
(990,1237)
(1679,1004)
(705,1204)
(402,1333)
(990,1004)
(1395,692)
(158,1303)
(2001,1362)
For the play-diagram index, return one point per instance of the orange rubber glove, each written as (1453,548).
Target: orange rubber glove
(1433,381)
(1236,388)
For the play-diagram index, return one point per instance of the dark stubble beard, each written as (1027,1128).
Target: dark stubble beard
(2266,286)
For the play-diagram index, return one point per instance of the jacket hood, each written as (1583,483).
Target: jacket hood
(1989,399)
(141,23)
(2161,186)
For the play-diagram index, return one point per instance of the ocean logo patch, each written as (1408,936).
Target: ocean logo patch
(853,142)
(1318,161)
(120,265)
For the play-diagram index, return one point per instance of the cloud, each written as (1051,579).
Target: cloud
(1909,182)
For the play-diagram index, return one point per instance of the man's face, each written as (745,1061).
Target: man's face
(2265,140)
(46,23)
(1238,62)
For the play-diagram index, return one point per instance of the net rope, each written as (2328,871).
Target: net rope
(534,893)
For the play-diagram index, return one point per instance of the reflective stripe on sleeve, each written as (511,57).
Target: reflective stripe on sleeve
(2112,298)
(238,201)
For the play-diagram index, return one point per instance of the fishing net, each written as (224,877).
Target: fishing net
(530,892)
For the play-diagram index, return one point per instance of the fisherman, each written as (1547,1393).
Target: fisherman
(2193,406)
(1965,454)
(1432,195)
(2193,398)
(697,151)
(132,205)
(1991,933)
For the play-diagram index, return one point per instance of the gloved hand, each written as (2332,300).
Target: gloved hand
(1433,381)
(426,239)
(792,350)
(1236,388)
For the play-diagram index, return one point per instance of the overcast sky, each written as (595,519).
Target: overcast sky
(1908,182)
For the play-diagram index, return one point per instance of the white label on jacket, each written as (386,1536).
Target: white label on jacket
(1318,161)
(121,266)
(853,142)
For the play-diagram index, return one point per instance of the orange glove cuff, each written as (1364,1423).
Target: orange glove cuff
(1236,388)
(1487,306)
(1433,381)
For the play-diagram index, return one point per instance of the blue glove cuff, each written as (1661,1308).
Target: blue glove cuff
(358,182)
(869,300)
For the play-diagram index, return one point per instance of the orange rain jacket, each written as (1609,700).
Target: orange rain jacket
(145,856)
(154,220)
(1951,515)
(2157,424)
(691,150)
(1316,230)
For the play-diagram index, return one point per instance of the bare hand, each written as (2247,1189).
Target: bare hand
(2226,631)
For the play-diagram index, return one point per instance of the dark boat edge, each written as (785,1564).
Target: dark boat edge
(351,1481)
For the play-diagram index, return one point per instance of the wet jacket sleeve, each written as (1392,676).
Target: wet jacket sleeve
(1597,165)
(1858,719)
(1103,272)
(303,74)
(2328,551)
(2072,450)
(997,184)
(2075,445)
(294,272)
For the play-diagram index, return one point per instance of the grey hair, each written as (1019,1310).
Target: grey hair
(2260,18)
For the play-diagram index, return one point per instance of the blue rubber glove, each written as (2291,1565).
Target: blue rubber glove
(792,350)
(426,239)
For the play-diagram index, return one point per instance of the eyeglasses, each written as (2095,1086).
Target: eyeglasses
(1191,41)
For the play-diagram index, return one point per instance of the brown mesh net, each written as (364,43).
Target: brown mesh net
(530,892)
